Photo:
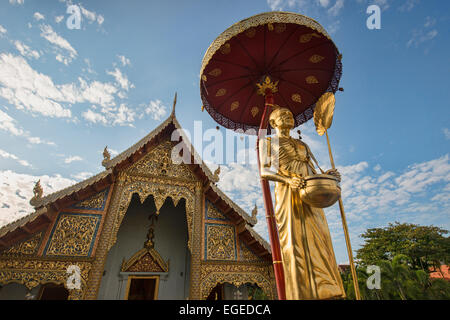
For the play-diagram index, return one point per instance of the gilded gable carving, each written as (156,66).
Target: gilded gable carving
(73,235)
(95,202)
(220,242)
(158,162)
(213,213)
(145,261)
(246,254)
(236,274)
(27,247)
(33,272)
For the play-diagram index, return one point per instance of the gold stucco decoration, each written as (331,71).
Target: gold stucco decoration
(27,247)
(73,235)
(221,244)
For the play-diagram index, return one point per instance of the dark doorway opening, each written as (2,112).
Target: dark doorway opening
(141,288)
(52,291)
(216,293)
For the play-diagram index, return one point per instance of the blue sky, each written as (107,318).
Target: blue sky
(65,94)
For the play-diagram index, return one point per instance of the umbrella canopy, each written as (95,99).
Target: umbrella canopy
(293,50)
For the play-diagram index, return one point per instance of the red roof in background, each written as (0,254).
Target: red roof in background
(443,274)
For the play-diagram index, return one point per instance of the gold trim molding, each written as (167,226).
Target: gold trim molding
(236,274)
(33,272)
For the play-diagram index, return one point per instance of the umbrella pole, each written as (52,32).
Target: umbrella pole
(344,225)
(271,224)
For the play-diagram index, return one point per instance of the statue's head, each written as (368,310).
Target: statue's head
(281,118)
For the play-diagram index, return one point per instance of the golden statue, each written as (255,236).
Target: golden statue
(309,263)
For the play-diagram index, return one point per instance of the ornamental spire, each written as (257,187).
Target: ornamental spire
(37,191)
(174,104)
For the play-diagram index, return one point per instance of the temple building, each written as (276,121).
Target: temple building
(144,228)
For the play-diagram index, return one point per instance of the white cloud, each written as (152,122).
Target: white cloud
(100,19)
(408,5)
(16,1)
(377,167)
(38,16)
(121,79)
(72,159)
(324,3)
(429,22)
(25,50)
(82,175)
(121,116)
(156,109)
(58,19)
(6,155)
(2,30)
(28,89)
(9,124)
(124,60)
(335,10)
(94,117)
(16,190)
(92,16)
(63,59)
(51,36)
(420,37)
(446,132)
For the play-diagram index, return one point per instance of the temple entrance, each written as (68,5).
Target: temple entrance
(150,259)
(216,293)
(228,291)
(52,291)
(142,288)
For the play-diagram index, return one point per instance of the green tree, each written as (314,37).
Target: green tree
(425,246)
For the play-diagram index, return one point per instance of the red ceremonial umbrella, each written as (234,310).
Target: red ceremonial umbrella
(275,56)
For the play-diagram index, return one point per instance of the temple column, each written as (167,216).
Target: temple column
(195,292)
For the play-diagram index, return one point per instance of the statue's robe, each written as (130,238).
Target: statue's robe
(309,263)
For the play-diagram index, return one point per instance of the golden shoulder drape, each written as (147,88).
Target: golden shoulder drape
(309,263)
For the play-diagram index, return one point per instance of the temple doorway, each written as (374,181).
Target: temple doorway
(142,288)
(150,259)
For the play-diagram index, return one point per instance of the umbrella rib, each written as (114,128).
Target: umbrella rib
(246,104)
(231,96)
(282,45)
(284,100)
(301,52)
(248,54)
(264,48)
(305,69)
(234,78)
(298,87)
(232,63)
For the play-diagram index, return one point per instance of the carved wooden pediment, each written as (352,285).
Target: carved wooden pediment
(145,260)
(27,247)
(158,162)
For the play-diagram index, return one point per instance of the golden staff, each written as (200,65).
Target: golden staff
(323,117)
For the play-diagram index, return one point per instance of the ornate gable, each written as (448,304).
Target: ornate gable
(145,260)
(158,162)
(246,254)
(212,213)
(27,247)
(95,202)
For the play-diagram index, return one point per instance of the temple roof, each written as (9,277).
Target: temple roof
(74,192)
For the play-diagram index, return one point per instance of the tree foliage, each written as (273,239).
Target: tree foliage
(425,246)
(405,254)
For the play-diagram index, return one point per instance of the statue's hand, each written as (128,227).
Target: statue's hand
(296,182)
(334,172)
